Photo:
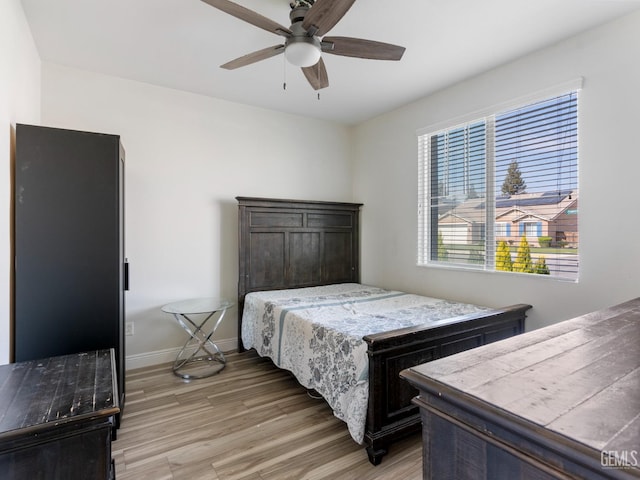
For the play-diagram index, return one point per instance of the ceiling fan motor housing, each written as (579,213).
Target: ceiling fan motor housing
(301,48)
(297,14)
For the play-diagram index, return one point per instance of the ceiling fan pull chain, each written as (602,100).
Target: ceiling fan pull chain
(284,73)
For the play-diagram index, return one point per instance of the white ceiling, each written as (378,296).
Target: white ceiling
(181,43)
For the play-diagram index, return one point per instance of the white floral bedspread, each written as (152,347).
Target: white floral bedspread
(316,333)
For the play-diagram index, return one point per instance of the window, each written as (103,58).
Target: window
(503,229)
(532,229)
(500,192)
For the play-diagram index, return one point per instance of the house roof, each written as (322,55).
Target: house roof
(546,206)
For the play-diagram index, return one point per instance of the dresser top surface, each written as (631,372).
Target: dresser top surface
(38,394)
(579,378)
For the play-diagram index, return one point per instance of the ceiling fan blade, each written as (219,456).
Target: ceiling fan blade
(254,57)
(360,48)
(317,75)
(249,16)
(324,15)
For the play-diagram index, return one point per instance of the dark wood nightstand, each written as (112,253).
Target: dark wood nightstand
(57,416)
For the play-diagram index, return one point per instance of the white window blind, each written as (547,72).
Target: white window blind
(501,192)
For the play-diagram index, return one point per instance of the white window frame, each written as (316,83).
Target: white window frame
(501,229)
(424,181)
(531,225)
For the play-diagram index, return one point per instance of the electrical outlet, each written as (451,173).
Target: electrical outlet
(128,328)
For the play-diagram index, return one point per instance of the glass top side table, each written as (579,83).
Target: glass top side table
(199,349)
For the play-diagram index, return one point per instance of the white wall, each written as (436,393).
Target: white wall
(187,158)
(386,178)
(19,103)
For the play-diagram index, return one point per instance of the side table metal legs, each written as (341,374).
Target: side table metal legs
(200,341)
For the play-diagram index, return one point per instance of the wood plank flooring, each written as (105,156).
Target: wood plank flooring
(250,422)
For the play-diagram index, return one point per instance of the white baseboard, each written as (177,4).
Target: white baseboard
(168,355)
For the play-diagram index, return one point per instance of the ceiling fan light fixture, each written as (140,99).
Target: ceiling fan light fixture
(302,52)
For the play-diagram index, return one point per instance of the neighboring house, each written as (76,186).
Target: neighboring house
(462,224)
(545,214)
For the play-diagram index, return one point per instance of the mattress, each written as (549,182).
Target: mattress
(317,334)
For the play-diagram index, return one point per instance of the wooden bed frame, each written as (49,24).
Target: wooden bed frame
(290,244)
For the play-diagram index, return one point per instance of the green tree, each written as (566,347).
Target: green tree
(523,261)
(503,257)
(513,182)
(443,253)
(541,266)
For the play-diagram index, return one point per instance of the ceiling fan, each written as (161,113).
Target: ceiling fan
(304,39)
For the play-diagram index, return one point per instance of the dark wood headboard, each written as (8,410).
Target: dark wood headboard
(295,243)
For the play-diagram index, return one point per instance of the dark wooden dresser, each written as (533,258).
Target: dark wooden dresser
(57,416)
(558,402)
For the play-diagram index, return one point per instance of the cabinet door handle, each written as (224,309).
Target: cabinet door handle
(126,274)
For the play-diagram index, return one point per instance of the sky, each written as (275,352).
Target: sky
(541,138)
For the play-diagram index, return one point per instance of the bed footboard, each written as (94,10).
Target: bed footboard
(391,414)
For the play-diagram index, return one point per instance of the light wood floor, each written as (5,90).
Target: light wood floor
(250,422)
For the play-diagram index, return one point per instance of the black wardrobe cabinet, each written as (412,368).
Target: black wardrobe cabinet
(69,272)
